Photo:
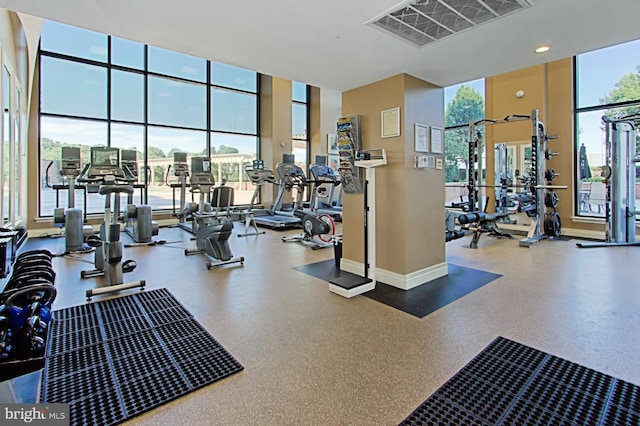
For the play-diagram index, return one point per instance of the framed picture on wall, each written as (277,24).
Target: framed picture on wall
(332,143)
(421,138)
(437,143)
(390,122)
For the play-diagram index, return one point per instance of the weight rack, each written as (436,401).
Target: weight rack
(547,223)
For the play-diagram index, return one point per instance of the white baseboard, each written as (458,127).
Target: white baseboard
(583,233)
(414,279)
(351,292)
(352,266)
(404,282)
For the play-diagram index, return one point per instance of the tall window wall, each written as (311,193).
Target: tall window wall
(11,179)
(607,83)
(463,102)
(97,89)
(300,123)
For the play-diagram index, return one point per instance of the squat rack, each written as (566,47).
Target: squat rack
(475,156)
(547,220)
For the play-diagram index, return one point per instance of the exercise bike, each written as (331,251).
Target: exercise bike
(211,231)
(106,177)
(318,231)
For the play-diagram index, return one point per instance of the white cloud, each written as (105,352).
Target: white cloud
(74,131)
(190,70)
(98,50)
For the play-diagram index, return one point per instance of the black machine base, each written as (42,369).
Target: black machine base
(350,281)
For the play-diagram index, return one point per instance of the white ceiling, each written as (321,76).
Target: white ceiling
(326,43)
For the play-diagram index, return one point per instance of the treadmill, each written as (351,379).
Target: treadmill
(324,175)
(274,217)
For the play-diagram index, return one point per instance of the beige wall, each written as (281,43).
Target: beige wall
(275,127)
(409,202)
(423,213)
(548,88)
(367,102)
(32,161)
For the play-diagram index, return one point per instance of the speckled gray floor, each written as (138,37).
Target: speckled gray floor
(314,358)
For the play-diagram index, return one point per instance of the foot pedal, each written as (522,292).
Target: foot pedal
(129,266)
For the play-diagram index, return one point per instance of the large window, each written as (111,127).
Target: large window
(73,88)
(463,103)
(607,83)
(97,89)
(177,103)
(300,122)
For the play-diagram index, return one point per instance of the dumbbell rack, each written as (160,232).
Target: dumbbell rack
(547,222)
(26,302)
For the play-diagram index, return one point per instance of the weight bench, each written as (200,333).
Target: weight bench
(450,233)
(484,223)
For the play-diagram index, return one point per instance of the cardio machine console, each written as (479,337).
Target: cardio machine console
(70,164)
(180,166)
(105,161)
(129,162)
(324,173)
(291,174)
(261,175)
(201,171)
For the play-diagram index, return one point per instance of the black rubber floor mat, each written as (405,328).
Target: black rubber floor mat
(427,298)
(114,359)
(419,301)
(512,384)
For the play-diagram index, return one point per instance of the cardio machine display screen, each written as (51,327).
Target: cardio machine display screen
(104,157)
(129,155)
(200,165)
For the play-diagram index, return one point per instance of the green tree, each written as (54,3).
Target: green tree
(158,175)
(467,105)
(626,89)
(225,150)
(172,151)
(155,152)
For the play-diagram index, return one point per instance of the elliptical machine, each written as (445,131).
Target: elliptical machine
(211,232)
(181,171)
(71,219)
(318,230)
(137,219)
(106,177)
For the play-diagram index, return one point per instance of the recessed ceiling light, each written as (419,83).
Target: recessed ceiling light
(542,49)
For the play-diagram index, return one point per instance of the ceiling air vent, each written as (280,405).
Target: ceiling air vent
(425,21)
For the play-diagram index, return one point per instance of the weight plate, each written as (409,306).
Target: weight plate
(552,224)
(550,175)
(551,200)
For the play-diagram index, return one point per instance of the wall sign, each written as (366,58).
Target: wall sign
(390,120)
